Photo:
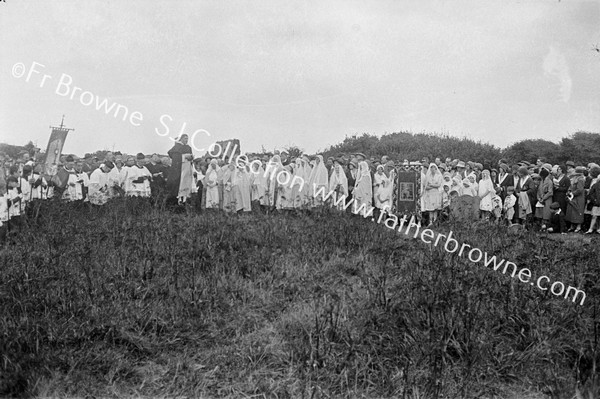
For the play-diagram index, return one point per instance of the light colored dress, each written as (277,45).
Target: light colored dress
(432,197)
(338,183)
(211,181)
(363,188)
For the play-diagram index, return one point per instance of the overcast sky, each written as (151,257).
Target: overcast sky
(308,73)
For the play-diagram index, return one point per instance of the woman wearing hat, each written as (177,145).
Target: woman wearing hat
(576,200)
(561,187)
(545,193)
(594,198)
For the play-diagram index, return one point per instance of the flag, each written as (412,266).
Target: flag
(54,150)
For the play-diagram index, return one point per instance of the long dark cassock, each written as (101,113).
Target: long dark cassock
(180,171)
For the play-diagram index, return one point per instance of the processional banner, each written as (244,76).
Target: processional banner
(54,150)
(408,187)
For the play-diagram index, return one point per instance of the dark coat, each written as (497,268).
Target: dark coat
(560,192)
(174,175)
(594,194)
(576,207)
(530,188)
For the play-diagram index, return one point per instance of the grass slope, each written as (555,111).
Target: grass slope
(130,301)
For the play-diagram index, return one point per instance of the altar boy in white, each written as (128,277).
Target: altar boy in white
(137,182)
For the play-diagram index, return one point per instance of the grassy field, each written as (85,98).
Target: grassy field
(132,301)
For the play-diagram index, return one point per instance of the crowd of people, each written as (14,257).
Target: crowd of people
(554,198)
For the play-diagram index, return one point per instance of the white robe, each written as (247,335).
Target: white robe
(15,208)
(363,188)
(211,181)
(114,179)
(242,190)
(98,187)
(137,189)
(25,192)
(3,209)
(39,192)
(73,190)
(486,192)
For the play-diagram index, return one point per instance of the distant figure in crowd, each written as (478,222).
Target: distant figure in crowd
(179,181)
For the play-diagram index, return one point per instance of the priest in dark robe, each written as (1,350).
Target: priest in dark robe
(180,178)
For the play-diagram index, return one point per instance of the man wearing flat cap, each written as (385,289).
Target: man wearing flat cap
(461,170)
(570,168)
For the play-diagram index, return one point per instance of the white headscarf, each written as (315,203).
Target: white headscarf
(212,174)
(319,176)
(338,177)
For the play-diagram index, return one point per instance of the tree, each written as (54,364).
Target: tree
(294,151)
(581,148)
(531,149)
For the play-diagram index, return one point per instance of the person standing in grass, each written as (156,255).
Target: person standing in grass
(338,183)
(299,184)
(363,188)
(159,173)
(486,192)
(137,179)
(432,197)
(272,169)
(319,178)
(211,181)
(197,187)
(83,180)
(39,185)
(229,201)
(180,179)
(351,175)
(284,200)
(593,198)
(544,195)
(114,176)
(242,188)
(379,182)
(99,192)
(561,187)
(576,197)
(64,179)
(14,198)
